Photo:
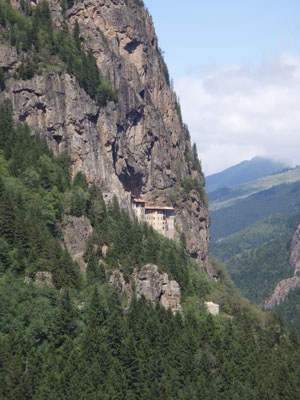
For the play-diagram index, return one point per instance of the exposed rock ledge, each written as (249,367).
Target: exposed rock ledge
(154,285)
(283,287)
(295,251)
(76,230)
(281,291)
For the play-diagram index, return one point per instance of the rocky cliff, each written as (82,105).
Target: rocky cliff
(136,145)
(283,288)
(155,286)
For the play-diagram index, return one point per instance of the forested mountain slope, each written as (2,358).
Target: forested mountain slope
(282,199)
(68,334)
(255,235)
(89,80)
(259,256)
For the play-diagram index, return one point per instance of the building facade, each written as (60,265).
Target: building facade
(162,219)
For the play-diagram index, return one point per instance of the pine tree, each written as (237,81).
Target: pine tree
(95,321)
(2,79)
(132,368)
(115,326)
(65,328)
(7,218)
(66,273)
(6,122)
(80,181)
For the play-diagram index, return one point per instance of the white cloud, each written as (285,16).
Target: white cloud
(238,112)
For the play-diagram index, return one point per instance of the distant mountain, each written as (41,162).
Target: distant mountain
(225,197)
(283,199)
(243,172)
(255,235)
(253,230)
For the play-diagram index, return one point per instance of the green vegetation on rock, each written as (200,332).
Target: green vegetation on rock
(34,34)
(33,184)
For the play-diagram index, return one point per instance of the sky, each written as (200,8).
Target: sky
(235,65)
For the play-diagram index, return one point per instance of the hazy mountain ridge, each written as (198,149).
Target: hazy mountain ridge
(282,199)
(243,172)
(225,197)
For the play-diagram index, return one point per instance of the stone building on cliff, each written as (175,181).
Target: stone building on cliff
(162,219)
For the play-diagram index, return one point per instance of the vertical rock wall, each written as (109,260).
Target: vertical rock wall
(136,146)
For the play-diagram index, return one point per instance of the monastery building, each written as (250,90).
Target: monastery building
(160,218)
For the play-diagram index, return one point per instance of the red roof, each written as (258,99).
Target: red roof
(139,201)
(159,208)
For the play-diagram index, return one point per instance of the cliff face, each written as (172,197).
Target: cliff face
(283,288)
(295,251)
(135,146)
(152,284)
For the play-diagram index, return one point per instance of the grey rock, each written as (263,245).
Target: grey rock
(136,146)
(76,230)
(212,308)
(295,251)
(283,288)
(281,291)
(155,286)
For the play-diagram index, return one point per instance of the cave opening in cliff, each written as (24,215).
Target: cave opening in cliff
(132,181)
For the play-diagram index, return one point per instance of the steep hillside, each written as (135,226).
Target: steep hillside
(282,199)
(253,242)
(90,77)
(243,172)
(118,327)
(256,272)
(263,261)
(283,287)
(255,235)
(289,309)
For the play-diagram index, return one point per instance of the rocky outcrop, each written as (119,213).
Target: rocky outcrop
(157,287)
(154,285)
(9,60)
(281,291)
(170,295)
(295,251)
(123,286)
(135,146)
(192,218)
(75,231)
(283,288)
